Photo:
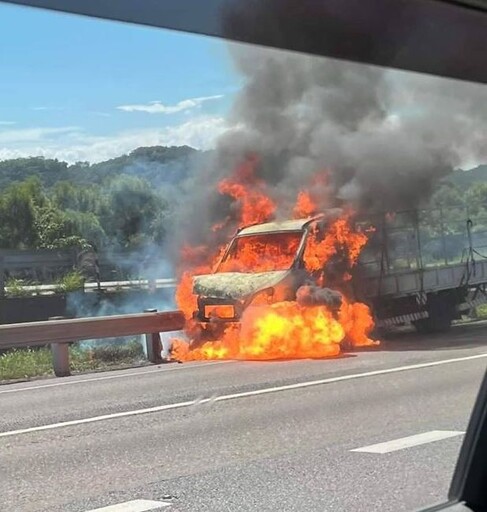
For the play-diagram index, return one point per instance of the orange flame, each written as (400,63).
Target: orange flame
(305,206)
(340,236)
(308,201)
(276,331)
(185,299)
(249,193)
(286,330)
(357,321)
(263,253)
(283,329)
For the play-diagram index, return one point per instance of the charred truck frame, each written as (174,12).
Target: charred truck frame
(427,267)
(416,268)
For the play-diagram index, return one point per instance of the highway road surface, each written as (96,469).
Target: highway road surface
(378,430)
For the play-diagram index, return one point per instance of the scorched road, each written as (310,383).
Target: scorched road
(377,430)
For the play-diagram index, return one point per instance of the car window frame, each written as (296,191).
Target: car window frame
(470,472)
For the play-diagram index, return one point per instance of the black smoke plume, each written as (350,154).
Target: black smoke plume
(383,137)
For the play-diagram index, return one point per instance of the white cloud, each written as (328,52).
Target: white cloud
(156,107)
(72,145)
(27,135)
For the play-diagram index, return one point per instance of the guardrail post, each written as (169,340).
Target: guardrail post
(2,275)
(153,343)
(60,356)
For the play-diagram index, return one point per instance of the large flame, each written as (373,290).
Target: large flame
(263,253)
(339,236)
(284,329)
(305,206)
(255,206)
(277,331)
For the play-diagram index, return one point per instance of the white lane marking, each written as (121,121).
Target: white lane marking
(133,506)
(233,396)
(118,376)
(408,442)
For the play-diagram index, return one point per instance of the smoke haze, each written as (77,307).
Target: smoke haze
(312,295)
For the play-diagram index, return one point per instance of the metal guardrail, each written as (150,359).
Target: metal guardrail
(167,282)
(45,264)
(135,283)
(59,332)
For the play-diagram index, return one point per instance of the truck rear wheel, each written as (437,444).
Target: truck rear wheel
(432,325)
(441,312)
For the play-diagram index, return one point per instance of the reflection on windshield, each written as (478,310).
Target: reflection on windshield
(262,253)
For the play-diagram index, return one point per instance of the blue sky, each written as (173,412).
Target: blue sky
(77,88)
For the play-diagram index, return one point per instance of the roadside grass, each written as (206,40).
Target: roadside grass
(481,311)
(16,288)
(71,282)
(37,362)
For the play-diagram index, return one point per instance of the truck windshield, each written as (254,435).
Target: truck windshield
(262,252)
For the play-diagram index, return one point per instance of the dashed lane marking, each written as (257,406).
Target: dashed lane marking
(133,506)
(410,441)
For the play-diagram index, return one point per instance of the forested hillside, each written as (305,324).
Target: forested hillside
(126,202)
(122,203)
(465,179)
(155,164)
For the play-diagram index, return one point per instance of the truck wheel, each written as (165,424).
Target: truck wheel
(421,326)
(441,311)
(432,325)
(440,318)
(440,323)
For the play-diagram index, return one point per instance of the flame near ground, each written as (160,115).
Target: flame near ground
(287,329)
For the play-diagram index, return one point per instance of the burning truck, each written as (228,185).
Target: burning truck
(313,286)
(264,264)
(310,286)
(280,290)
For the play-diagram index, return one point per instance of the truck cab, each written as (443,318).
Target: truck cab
(262,264)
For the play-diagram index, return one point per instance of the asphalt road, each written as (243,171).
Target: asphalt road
(238,436)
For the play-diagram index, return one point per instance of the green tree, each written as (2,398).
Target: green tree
(18,206)
(54,229)
(131,211)
(447,195)
(86,225)
(476,197)
(83,198)
(47,170)
(48,203)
